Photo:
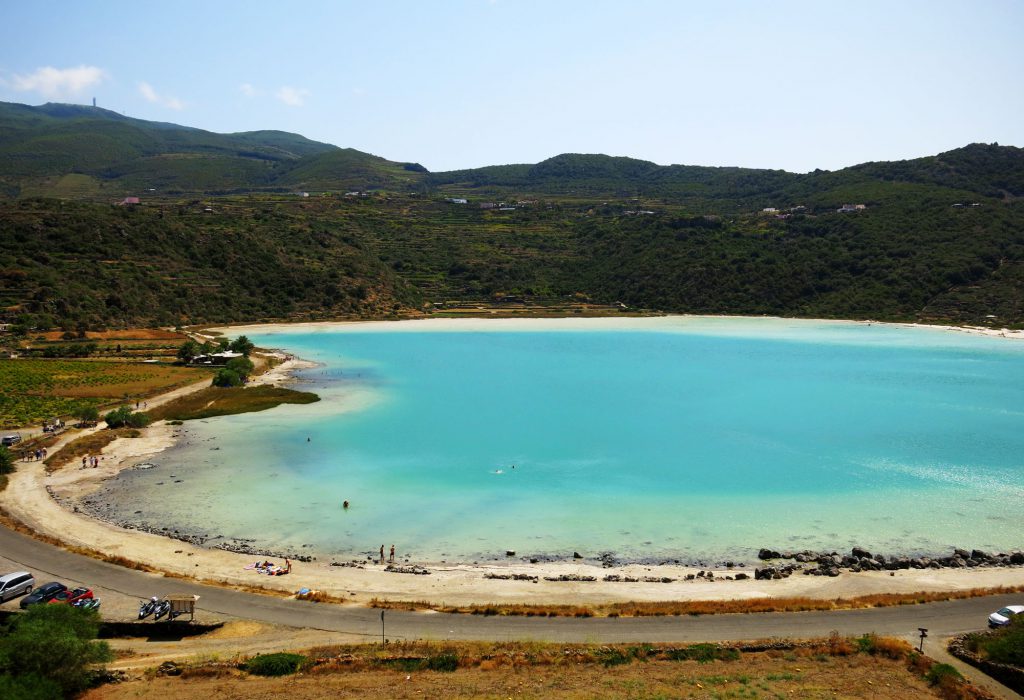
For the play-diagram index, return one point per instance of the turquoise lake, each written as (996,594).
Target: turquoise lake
(690,439)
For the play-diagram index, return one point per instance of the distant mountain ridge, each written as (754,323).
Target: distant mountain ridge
(112,154)
(39,146)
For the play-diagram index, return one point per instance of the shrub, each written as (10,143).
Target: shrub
(87,414)
(242,366)
(443,662)
(226,378)
(125,417)
(1007,646)
(703,653)
(280,664)
(939,673)
(51,646)
(6,461)
(30,687)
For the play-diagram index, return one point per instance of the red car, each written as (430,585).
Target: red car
(73,596)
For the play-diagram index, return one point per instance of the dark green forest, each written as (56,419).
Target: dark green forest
(267,225)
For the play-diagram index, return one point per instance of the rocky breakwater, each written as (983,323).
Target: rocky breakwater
(859,559)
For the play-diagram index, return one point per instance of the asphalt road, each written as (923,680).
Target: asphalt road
(941,619)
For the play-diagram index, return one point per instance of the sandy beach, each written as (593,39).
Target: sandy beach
(36,499)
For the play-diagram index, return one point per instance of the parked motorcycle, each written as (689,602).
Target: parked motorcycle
(147,608)
(162,608)
(87,603)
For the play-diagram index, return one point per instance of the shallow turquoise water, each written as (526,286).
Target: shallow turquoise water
(689,439)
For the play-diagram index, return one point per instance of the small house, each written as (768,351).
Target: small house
(216,358)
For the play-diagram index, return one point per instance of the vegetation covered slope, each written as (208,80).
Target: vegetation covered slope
(96,265)
(939,238)
(109,156)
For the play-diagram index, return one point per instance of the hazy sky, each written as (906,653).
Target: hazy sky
(465,83)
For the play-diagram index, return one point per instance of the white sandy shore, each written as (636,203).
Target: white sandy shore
(476,324)
(28,499)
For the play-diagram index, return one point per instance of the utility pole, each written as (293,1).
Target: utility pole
(382,642)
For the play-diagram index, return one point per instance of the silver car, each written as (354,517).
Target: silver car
(16,584)
(1003,616)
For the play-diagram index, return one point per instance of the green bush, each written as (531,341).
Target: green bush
(939,673)
(50,648)
(29,687)
(87,414)
(281,664)
(703,653)
(227,378)
(442,662)
(241,366)
(1007,645)
(125,417)
(6,464)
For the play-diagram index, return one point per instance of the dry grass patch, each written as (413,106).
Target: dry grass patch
(866,667)
(125,334)
(698,607)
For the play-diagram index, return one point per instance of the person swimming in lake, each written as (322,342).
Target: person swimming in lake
(344,505)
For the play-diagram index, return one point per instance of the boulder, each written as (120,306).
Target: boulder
(861,553)
(763,554)
(1017,558)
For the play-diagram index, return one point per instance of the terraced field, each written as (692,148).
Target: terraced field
(38,389)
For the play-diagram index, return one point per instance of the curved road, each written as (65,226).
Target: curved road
(941,619)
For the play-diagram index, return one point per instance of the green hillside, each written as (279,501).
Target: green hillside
(220,234)
(123,156)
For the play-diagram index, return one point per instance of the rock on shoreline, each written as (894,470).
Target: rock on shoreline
(860,559)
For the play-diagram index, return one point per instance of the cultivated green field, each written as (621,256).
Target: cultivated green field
(36,390)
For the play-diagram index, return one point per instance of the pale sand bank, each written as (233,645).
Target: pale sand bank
(599,323)
(28,499)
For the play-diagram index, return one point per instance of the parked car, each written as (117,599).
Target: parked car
(43,594)
(16,584)
(9,439)
(1004,616)
(72,596)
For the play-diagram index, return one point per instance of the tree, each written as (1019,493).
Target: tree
(87,414)
(243,345)
(6,466)
(241,366)
(50,647)
(125,417)
(188,351)
(227,378)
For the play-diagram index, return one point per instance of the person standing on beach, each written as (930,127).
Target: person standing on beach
(382,554)
(392,557)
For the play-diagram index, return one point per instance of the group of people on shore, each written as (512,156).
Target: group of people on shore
(392,557)
(34,455)
(91,461)
(270,568)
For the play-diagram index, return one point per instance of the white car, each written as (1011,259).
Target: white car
(1003,616)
